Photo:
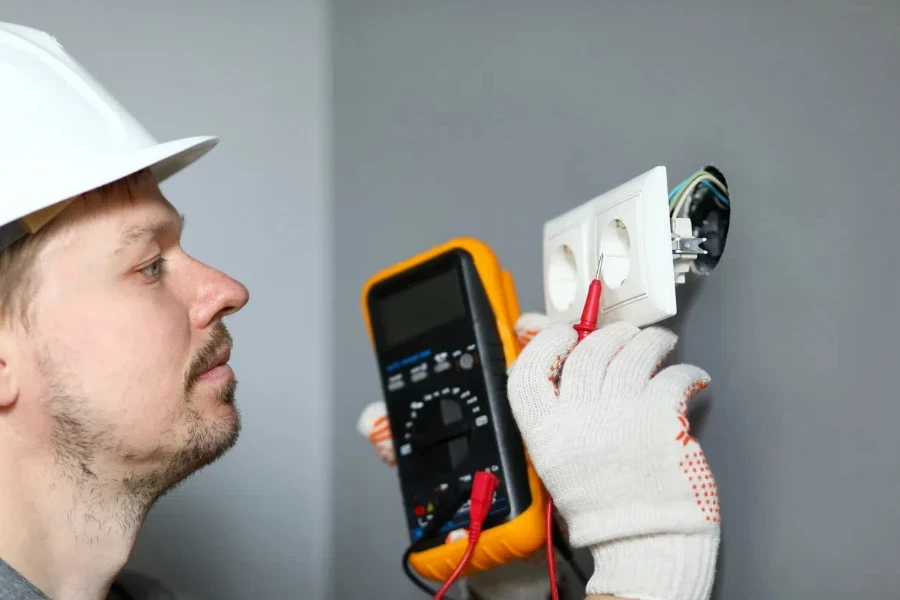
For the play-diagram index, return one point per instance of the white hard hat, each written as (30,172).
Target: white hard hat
(62,134)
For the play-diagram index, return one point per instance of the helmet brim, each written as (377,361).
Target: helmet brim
(162,160)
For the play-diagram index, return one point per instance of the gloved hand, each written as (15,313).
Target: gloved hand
(612,444)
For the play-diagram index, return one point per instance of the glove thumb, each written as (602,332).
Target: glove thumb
(373,424)
(530,324)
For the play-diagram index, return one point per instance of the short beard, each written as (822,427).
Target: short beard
(206,443)
(118,503)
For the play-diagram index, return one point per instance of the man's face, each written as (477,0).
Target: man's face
(123,334)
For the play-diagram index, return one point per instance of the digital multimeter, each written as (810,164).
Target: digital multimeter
(441,324)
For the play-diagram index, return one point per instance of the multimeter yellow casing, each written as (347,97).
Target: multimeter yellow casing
(441,323)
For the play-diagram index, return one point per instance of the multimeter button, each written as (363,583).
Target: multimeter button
(466,361)
(419,511)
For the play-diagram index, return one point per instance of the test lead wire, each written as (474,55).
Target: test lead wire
(584,327)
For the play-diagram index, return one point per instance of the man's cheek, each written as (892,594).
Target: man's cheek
(150,409)
(151,422)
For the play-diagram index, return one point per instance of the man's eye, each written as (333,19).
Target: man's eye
(154,269)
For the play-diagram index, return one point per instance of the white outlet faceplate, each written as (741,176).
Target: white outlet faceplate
(630,226)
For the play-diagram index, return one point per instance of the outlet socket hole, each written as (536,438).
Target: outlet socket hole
(563,277)
(615,245)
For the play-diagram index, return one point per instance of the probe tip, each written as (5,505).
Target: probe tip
(599,266)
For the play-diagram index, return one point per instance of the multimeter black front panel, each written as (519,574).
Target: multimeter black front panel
(444,376)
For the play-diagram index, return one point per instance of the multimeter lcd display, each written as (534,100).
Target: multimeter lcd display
(421,307)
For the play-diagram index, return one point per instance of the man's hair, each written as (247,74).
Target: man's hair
(18,275)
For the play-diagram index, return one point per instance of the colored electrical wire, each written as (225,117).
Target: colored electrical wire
(680,196)
(443,513)
(565,550)
(483,488)
(551,559)
(412,576)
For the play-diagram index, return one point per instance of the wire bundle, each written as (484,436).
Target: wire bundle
(679,198)
(704,199)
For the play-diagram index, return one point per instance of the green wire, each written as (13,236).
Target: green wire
(676,193)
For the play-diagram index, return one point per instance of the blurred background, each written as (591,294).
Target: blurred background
(358,133)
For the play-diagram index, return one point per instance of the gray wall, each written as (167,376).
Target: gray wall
(486,119)
(256,524)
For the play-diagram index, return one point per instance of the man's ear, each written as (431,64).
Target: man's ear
(9,380)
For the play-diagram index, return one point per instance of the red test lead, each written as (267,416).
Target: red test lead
(481,499)
(588,323)
(591,309)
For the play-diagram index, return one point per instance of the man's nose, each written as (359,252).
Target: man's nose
(219,296)
(236,297)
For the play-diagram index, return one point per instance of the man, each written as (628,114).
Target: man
(608,435)
(114,376)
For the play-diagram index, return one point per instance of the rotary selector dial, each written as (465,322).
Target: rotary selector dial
(438,429)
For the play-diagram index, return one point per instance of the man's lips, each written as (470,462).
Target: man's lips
(218,364)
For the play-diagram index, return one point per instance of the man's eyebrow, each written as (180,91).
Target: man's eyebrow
(143,232)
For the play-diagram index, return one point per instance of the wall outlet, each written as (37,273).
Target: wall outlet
(630,226)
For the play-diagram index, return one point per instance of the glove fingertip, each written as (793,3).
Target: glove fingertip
(370,417)
(531,322)
(678,384)
(532,381)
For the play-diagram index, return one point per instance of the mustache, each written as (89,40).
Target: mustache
(219,338)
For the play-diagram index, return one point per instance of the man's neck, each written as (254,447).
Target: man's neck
(68,533)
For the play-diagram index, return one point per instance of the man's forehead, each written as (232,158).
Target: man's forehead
(112,221)
(145,225)
(124,221)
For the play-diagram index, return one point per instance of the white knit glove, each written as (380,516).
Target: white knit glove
(612,444)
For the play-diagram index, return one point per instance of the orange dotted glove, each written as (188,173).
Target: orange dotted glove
(610,440)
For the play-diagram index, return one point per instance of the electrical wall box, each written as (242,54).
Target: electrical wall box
(630,226)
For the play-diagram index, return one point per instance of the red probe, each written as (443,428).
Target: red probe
(591,309)
(585,326)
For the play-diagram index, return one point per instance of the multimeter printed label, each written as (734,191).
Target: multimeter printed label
(395,382)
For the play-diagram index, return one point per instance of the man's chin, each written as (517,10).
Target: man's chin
(214,436)
(213,432)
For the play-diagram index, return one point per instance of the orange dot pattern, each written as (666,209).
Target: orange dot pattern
(527,335)
(556,369)
(684,433)
(661,362)
(694,465)
(703,484)
(380,437)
